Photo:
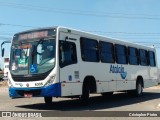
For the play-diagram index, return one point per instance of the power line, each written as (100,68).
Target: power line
(79,12)
(100,12)
(138,33)
(148,43)
(5,34)
(141,34)
(14,25)
(4,38)
(140,38)
(98,31)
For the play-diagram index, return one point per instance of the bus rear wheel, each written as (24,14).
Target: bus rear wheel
(48,100)
(139,89)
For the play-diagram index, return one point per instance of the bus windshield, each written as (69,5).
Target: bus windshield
(32,57)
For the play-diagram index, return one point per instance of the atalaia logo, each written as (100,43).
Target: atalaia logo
(118,69)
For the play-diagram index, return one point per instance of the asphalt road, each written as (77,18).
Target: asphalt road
(150,101)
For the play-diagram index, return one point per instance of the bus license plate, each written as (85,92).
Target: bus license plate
(28,95)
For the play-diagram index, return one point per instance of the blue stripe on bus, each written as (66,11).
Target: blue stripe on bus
(53,90)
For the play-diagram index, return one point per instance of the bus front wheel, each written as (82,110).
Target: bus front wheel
(48,100)
(85,94)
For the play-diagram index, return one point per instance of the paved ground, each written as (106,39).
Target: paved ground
(150,101)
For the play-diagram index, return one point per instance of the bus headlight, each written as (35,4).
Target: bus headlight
(51,80)
(10,83)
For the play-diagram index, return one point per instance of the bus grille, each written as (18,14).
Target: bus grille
(24,78)
(33,92)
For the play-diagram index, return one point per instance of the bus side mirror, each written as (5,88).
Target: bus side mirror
(3,52)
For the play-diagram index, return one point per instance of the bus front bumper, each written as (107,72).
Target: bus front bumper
(53,90)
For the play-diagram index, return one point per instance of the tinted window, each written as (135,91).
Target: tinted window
(143,57)
(89,50)
(121,54)
(68,54)
(106,52)
(151,56)
(133,56)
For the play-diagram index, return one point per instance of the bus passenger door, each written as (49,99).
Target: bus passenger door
(69,66)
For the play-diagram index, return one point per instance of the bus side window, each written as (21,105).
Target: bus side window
(143,57)
(67,53)
(121,54)
(106,52)
(151,58)
(89,49)
(133,56)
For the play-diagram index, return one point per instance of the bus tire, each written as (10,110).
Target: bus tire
(139,88)
(85,94)
(48,100)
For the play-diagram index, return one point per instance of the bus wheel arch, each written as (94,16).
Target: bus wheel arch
(91,83)
(89,86)
(140,79)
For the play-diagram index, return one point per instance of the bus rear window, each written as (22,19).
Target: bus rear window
(151,57)
(143,57)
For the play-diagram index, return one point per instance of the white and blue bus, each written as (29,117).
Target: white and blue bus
(63,62)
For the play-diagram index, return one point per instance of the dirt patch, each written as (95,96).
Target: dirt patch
(3,84)
(155,87)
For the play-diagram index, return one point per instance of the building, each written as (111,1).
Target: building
(159,75)
(6,67)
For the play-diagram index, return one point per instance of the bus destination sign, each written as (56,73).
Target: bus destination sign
(37,34)
(32,35)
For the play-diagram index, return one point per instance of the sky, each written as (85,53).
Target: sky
(135,21)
